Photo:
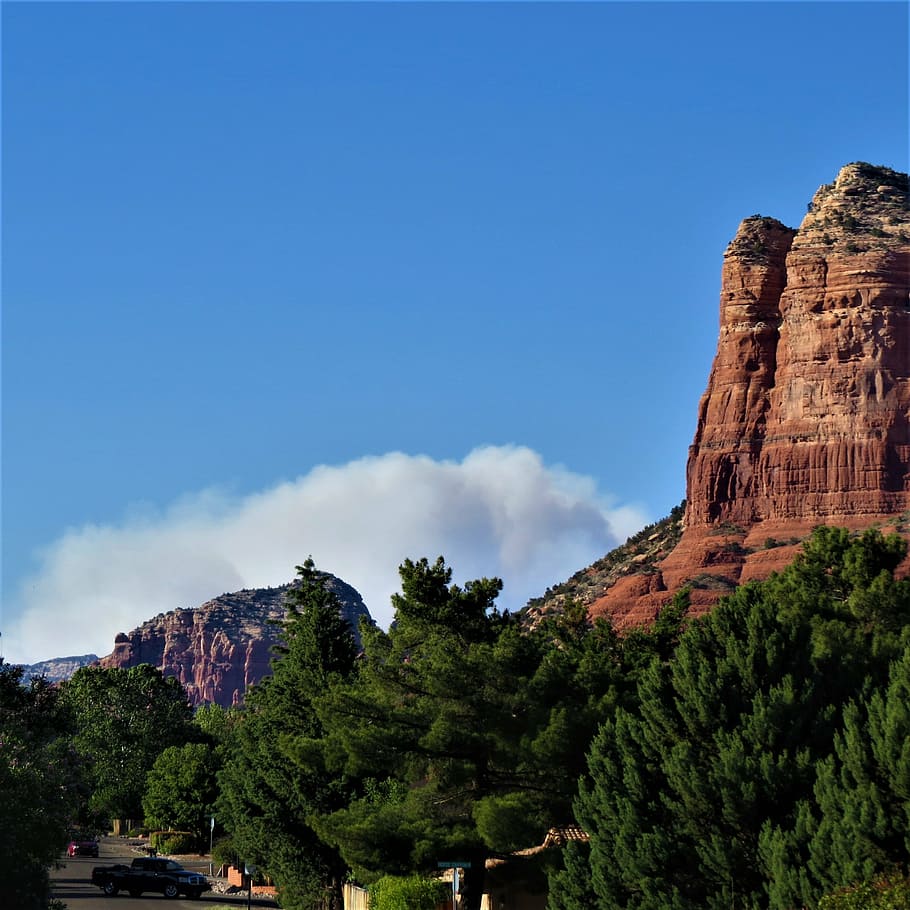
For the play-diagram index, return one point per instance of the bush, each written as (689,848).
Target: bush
(170,842)
(225,853)
(411,893)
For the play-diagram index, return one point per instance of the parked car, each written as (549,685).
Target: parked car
(82,846)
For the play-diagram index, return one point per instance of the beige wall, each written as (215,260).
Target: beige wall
(355,898)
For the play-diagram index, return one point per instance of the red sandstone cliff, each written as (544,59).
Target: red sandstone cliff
(806,417)
(219,649)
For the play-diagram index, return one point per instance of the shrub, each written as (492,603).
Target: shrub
(411,893)
(225,853)
(707,582)
(170,842)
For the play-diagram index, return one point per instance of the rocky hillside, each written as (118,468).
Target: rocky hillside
(637,557)
(806,417)
(219,649)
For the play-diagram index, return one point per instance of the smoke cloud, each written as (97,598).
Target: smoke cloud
(499,512)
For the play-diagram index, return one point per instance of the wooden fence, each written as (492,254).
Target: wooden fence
(358,899)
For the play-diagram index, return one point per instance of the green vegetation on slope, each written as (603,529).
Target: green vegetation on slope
(638,555)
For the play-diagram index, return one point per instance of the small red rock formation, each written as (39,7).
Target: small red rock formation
(219,649)
(806,418)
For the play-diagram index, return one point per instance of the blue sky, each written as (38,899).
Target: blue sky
(367,281)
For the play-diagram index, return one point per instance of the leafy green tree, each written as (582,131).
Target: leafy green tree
(217,724)
(693,790)
(181,789)
(124,719)
(40,787)
(267,798)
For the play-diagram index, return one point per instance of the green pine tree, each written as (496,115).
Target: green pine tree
(695,790)
(863,789)
(267,798)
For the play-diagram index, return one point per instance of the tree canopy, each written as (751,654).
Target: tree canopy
(124,719)
(430,725)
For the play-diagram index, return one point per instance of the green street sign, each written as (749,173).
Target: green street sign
(456,865)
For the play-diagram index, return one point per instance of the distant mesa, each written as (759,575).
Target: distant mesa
(221,648)
(806,417)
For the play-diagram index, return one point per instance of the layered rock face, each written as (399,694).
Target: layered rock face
(59,668)
(806,418)
(219,649)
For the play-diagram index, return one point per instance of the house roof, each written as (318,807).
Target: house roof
(557,836)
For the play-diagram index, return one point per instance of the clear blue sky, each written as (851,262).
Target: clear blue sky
(250,250)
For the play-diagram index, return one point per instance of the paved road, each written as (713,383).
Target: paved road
(72,885)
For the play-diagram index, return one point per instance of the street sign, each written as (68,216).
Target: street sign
(458,864)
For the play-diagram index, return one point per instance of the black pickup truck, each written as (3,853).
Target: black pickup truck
(150,874)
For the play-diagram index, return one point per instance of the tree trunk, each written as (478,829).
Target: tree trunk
(473,881)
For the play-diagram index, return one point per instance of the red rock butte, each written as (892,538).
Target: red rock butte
(806,417)
(218,650)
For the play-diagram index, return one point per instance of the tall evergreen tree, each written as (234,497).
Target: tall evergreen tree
(863,789)
(267,798)
(623,660)
(570,886)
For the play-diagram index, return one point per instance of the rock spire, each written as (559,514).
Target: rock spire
(806,417)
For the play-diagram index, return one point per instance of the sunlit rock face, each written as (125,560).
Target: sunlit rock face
(806,417)
(221,648)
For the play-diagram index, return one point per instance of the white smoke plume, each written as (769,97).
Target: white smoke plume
(499,512)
